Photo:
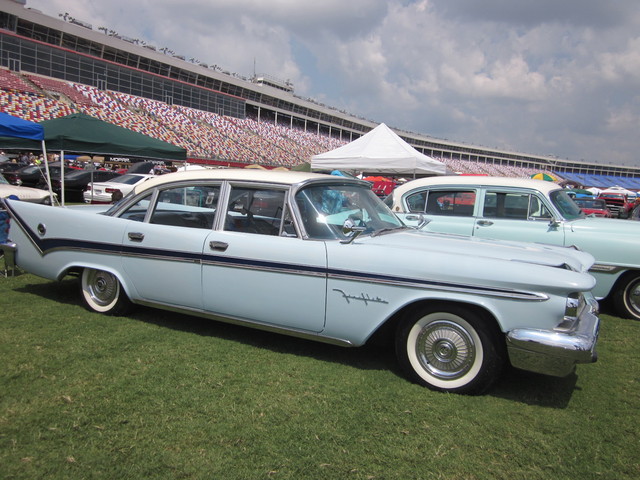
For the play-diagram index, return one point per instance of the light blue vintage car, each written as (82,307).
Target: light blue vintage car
(528,210)
(320,257)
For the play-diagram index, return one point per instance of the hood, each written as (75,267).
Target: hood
(523,252)
(611,240)
(605,226)
(463,259)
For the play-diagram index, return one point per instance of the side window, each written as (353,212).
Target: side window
(506,205)
(416,202)
(191,207)
(537,209)
(138,211)
(255,210)
(458,203)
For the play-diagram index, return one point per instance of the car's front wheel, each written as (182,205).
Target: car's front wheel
(626,297)
(102,292)
(450,348)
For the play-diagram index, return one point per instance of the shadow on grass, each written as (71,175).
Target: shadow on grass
(515,385)
(535,389)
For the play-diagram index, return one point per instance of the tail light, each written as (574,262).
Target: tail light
(111,190)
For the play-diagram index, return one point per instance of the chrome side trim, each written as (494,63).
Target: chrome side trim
(273,268)
(605,268)
(440,286)
(249,323)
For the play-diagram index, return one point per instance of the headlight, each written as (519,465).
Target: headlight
(573,308)
(575,303)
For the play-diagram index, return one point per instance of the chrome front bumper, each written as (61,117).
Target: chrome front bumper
(553,352)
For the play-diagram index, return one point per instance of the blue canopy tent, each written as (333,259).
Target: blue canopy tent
(16,127)
(11,126)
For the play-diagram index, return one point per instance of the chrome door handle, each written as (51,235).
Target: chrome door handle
(220,246)
(485,223)
(136,236)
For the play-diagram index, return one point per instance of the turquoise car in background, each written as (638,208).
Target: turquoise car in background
(532,211)
(320,257)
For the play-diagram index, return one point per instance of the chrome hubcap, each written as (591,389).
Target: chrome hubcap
(445,349)
(103,287)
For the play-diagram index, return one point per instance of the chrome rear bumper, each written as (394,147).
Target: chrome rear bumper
(552,352)
(9,250)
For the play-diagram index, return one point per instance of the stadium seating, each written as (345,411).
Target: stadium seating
(210,137)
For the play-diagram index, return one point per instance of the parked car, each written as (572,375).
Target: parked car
(104,192)
(8,167)
(593,206)
(528,210)
(620,204)
(26,194)
(75,182)
(320,257)
(33,175)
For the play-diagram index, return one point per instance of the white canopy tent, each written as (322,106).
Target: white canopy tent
(379,151)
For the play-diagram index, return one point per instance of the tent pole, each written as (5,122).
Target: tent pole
(46,168)
(62,177)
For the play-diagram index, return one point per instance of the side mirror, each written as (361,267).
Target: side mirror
(420,218)
(349,228)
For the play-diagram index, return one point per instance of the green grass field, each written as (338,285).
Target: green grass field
(164,396)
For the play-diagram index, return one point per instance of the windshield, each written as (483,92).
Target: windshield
(29,170)
(325,208)
(565,205)
(590,203)
(127,179)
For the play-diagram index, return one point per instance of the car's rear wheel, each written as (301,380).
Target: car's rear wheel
(450,348)
(103,293)
(626,297)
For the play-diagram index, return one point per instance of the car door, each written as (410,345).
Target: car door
(447,210)
(257,268)
(517,215)
(162,246)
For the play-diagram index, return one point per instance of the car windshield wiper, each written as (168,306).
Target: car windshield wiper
(382,231)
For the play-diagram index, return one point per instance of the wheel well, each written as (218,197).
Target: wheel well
(76,271)
(625,277)
(385,333)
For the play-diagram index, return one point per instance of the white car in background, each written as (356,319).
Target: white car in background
(26,194)
(103,192)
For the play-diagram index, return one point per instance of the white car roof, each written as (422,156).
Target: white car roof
(234,174)
(471,180)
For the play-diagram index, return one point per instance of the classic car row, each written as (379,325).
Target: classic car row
(75,181)
(533,211)
(323,258)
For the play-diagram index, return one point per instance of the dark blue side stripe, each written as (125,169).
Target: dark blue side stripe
(56,244)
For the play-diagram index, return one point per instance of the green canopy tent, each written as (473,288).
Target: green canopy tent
(80,133)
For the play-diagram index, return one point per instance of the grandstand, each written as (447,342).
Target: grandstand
(52,67)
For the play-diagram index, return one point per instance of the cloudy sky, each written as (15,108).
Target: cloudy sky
(547,77)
